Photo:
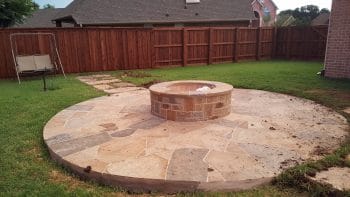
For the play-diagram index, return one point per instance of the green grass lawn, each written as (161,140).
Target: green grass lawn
(25,165)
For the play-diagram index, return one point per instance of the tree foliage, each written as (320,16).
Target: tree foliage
(49,6)
(15,11)
(303,15)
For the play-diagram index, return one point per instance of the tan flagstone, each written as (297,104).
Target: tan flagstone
(149,167)
(347,110)
(88,157)
(214,175)
(121,149)
(339,178)
(237,165)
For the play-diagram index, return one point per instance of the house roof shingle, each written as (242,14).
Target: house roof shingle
(40,18)
(93,12)
(322,19)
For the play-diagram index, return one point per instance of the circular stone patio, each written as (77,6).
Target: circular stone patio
(115,140)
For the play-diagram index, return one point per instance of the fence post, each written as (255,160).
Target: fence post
(210,46)
(184,47)
(258,43)
(153,50)
(236,44)
(274,43)
(289,36)
(125,49)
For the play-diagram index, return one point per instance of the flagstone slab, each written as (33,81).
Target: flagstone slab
(122,85)
(339,178)
(149,167)
(347,110)
(115,140)
(103,86)
(75,145)
(188,164)
(102,82)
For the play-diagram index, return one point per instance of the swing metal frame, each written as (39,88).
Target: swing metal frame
(53,58)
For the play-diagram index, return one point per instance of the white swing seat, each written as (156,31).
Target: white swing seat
(43,62)
(34,63)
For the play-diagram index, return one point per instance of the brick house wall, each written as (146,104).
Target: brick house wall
(260,9)
(337,63)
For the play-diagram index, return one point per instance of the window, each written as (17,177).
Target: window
(266,11)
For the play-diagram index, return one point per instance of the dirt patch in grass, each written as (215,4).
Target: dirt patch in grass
(149,84)
(35,153)
(121,85)
(103,78)
(59,177)
(135,74)
(321,151)
(340,99)
(344,95)
(72,182)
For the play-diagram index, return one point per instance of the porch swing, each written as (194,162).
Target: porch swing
(33,63)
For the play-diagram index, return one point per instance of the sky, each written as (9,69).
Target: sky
(56,3)
(282,4)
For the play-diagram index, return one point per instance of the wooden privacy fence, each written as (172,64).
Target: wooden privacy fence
(102,49)
(301,43)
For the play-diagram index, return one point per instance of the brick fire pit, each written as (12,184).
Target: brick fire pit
(189,101)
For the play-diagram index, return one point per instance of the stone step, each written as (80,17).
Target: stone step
(103,87)
(347,110)
(121,85)
(108,81)
(339,178)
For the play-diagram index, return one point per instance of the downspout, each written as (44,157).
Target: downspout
(329,30)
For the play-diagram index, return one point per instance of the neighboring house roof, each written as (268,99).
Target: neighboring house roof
(40,18)
(99,12)
(322,19)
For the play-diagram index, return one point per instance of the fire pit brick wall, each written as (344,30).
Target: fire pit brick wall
(191,108)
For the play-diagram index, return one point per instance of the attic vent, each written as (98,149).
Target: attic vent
(193,1)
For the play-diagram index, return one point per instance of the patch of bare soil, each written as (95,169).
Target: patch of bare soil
(321,151)
(149,84)
(103,78)
(343,95)
(69,180)
(135,74)
(121,85)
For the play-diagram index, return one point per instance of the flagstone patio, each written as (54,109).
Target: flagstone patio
(116,141)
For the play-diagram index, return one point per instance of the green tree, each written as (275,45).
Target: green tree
(303,15)
(325,10)
(15,11)
(49,6)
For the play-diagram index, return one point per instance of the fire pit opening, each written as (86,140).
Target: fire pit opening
(191,100)
(191,87)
